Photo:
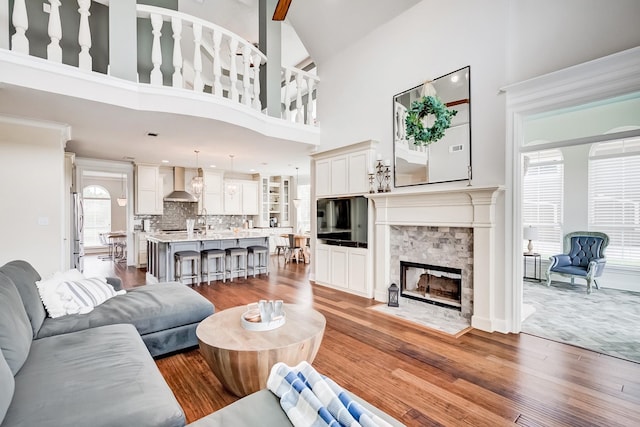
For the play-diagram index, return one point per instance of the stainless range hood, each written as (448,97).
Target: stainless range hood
(179,194)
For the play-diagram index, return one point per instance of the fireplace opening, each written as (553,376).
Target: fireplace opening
(432,284)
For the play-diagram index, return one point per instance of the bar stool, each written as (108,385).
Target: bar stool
(187,256)
(262,253)
(218,256)
(240,256)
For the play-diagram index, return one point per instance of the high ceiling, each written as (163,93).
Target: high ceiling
(107,132)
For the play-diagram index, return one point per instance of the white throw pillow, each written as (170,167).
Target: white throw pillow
(48,291)
(82,296)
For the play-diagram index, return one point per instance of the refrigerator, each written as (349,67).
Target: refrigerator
(77,229)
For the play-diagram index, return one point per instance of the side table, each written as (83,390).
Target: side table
(537,266)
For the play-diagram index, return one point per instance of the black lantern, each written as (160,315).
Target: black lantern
(394,292)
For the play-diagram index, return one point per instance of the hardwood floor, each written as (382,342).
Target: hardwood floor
(419,376)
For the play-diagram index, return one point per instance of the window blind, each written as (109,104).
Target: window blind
(542,196)
(614,198)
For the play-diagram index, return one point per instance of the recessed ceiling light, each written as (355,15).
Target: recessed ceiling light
(252,170)
(165,161)
(212,166)
(128,158)
(153,134)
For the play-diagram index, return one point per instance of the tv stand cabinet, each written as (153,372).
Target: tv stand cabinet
(337,173)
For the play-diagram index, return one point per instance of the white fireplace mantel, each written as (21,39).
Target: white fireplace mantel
(472,207)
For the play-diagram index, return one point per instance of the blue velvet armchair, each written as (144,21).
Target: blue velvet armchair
(584,257)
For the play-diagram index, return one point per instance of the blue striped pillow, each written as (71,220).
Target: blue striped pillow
(82,296)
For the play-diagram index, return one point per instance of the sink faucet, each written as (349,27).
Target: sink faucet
(202,218)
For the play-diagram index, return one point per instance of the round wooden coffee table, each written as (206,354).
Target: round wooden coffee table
(242,359)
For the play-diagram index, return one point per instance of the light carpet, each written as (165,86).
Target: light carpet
(606,321)
(431,316)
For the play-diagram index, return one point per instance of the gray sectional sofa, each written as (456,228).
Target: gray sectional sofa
(92,369)
(97,370)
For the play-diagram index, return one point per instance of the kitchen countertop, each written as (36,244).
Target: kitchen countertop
(209,235)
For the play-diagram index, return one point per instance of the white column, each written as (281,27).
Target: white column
(299,109)
(198,84)
(156,50)
(84,36)
(287,94)
(217,67)
(19,41)
(54,51)
(310,86)
(233,69)
(257,105)
(176,26)
(246,78)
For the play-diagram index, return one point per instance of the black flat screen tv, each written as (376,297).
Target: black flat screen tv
(343,221)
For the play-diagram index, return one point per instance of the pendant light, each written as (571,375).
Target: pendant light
(122,200)
(197,185)
(296,201)
(232,188)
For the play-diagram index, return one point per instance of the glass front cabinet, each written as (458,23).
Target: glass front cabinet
(274,201)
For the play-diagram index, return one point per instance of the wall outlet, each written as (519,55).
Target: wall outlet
(43,220)
(46,7)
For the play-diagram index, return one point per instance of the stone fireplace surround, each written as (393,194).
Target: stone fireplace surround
(467,207)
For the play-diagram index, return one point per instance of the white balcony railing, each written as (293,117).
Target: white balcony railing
(206,57)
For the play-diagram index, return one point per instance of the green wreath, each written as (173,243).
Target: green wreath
(419,109)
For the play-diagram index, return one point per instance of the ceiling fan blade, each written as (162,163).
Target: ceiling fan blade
(281,10)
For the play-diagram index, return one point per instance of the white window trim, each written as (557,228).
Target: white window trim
(602,78)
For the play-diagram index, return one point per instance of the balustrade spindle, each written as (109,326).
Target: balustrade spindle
(217,67)
(246,78)
(19,41)
(198,84)
(233,72)
(54,51)
(299,109)
(176,26)
(287,94)
(257,105)
(156,49)
(310,84)
(84,36)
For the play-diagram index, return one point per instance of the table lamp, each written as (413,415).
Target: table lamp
(530,233)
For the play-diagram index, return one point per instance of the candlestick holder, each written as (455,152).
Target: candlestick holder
(382,177)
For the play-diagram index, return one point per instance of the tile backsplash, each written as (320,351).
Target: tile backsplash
(176,214)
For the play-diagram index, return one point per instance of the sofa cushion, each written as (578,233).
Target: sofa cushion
(24,276)
(149,308)
(97,377)
(48,291)
(84,295)
(15,329)
(7,386)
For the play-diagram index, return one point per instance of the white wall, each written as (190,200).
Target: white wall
(503,41)
(32,176)
(548,35)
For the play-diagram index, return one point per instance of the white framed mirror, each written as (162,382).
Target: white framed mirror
(448,158)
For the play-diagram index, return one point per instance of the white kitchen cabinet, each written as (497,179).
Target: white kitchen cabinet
(275,197)
(140,249)
(148,190)
(244,201)
(212,200)
(250,198)
(342,268)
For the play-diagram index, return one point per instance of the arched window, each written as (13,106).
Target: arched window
(614,198)
(97,214)
(542,195)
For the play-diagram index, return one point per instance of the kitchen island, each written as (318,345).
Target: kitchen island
(161,248)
